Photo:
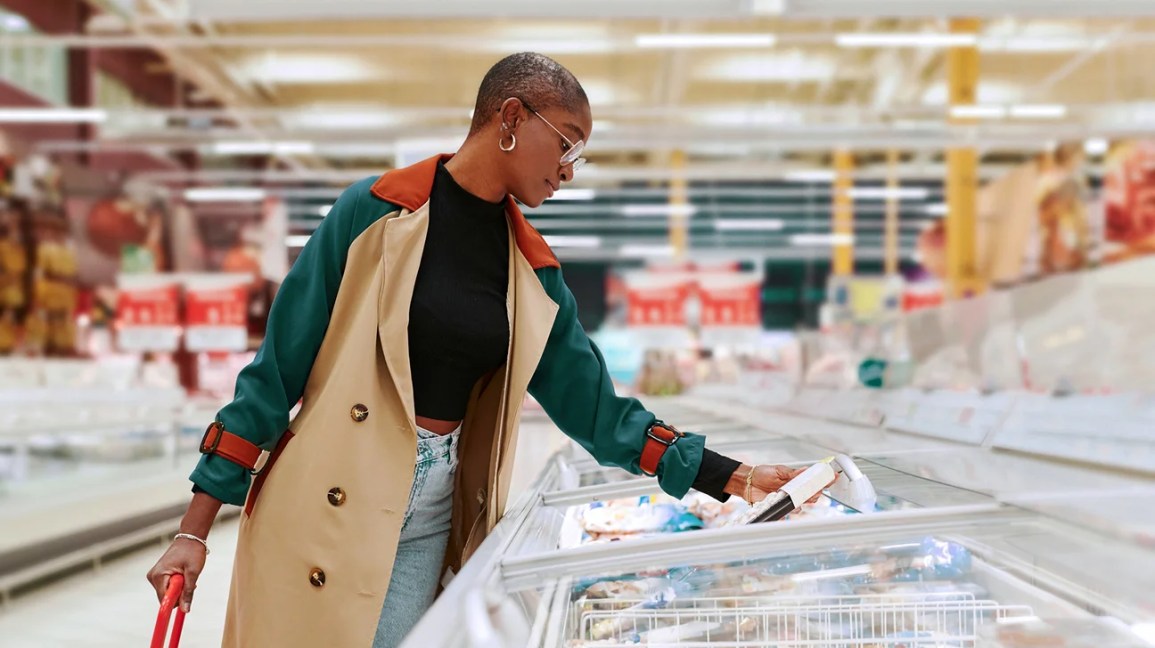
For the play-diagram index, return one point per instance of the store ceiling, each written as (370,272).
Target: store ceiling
(340,89)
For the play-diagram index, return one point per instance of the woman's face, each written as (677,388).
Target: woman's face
(536,171)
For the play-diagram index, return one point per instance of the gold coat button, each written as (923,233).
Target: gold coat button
(317,577)
(359,412)
(336,496)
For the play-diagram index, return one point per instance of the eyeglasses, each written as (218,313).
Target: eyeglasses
(572,155)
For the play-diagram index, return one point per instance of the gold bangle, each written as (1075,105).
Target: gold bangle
(749,483)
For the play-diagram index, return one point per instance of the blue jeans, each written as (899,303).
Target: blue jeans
(424,535)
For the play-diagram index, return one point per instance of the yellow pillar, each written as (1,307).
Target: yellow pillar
(891,258)
(962,172)
(843,265)
(679,206)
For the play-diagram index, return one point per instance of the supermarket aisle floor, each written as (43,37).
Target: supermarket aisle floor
(116,607)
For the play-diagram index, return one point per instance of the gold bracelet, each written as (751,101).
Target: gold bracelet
(749,482)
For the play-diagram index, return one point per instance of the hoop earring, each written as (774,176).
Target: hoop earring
(512,145)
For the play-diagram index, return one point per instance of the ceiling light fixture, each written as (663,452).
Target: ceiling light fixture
(695,41)
(574,194)
(883,39)
(820,240)
(658,210)
(52,115)
(224,194)
(565,241)
(262,148)
(1039,111)
(886,193)
(1096,146)
(748,225)
(646,251)
(809,176)
(978,111)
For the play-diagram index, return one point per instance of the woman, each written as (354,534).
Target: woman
(416,319)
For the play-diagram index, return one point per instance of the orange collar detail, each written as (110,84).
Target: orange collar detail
(410,188)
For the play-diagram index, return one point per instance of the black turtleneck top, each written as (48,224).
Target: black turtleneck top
(458,321)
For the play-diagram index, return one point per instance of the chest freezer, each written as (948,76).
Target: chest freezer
(935,578)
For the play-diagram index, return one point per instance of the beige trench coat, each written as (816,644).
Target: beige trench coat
(312,573)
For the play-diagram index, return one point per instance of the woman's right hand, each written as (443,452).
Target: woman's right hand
(185,557)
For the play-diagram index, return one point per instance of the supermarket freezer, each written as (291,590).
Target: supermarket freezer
(626,510)
(967,576)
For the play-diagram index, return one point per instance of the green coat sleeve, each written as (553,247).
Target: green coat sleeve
(273,382)
(574,387)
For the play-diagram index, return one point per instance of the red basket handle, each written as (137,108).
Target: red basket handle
(167,605)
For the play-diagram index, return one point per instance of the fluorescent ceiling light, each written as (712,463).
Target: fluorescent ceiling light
(816,175)
(767,7)
(275,68)
(886,193)
(15,23)
(573,194)
(940,209)
(1096,146)
(817,240)
(224,194)
(855,39)
(658,210)
(263,148)
(573,241)
(1041,44)
(52,115)
(297,240)
(748,225)
(704,40)
(978,112)
(1039,111)
(646,251)
(766,66)
(324,210)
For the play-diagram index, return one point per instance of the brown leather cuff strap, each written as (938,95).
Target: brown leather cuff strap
(658,438)
(236,449)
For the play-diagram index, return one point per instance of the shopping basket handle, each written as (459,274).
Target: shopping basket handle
(169,603)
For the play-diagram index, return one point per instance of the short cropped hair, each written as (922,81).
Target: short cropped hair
(534,78)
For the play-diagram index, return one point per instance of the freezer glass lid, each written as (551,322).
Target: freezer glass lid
(637,509)
(998,580)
